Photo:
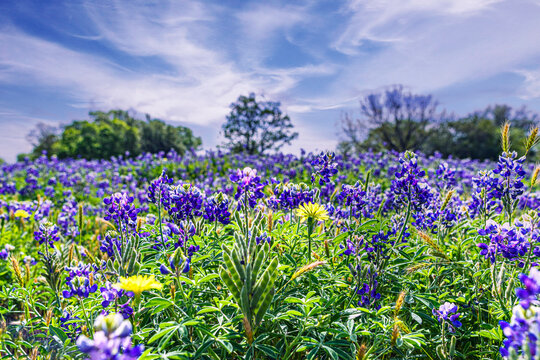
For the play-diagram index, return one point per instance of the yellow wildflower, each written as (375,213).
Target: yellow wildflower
(21,214)
(315,211)
(138,283)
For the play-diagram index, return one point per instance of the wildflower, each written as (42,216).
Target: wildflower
(4,253)
(138,283)
(316,212)
(409,185)
(447,312)
(70,324)
(528,294)
(186,202)
(158,190)
(109,243)
(112,339)
(216,208)
(324,168)
(79,281)
(523,331)
(290,196)
(46,233)
(249,185)
(111,294)
(121,210)
(23,214)
(67,219)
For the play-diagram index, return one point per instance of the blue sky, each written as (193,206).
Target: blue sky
(186,61)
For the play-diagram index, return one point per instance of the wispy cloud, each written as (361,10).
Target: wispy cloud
(186,61)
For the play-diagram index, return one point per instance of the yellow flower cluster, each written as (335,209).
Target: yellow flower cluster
(315,211)
(138,283)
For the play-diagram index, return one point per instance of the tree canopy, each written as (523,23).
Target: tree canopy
(254,127)
(399,120)
(396,119)
(109,134)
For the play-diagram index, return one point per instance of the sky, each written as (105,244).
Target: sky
(186,61)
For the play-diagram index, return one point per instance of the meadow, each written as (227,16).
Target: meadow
(221,256)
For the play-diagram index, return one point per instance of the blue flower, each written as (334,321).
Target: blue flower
(447,312)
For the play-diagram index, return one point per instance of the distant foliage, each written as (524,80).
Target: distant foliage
(254,127)
(399,120)
(477,135)
(109,134)
(396,120)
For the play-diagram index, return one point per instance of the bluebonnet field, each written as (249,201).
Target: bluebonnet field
(219,256)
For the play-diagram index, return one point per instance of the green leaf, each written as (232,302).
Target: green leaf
(493,334)
(58,332)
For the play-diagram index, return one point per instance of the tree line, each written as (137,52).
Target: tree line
(400,120)
(395,119)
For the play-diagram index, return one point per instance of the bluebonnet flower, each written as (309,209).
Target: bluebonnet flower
(29,260)
(70,324)
(4,253)
(350,249)
(445,176)
(47,233)
(324,168)
(67,219)
(356,202)
(290,196)
(447,312)
(158,190)
(216,208)
(185,232)
(111,341)
(178,263)
(409,185)
(109,242)
(511,241)
(368,292)
(527,295)
(263,238)
(249,186)
(523,332)
(186,202)
(111,294)
(80,281)
(121,211)
(511,174)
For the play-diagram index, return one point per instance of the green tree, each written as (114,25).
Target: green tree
(157,136)
(477,135)
(254,127)
(112,133)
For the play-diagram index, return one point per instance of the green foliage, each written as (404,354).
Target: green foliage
(113,133)
(250,274)
(398,120)
(478,135)
(255,126)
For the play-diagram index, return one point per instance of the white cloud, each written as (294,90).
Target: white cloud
(531,84)
(430,45)
(391,20)
(212,53)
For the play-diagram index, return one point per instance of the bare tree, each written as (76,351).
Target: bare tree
(43,137)
(396,119)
